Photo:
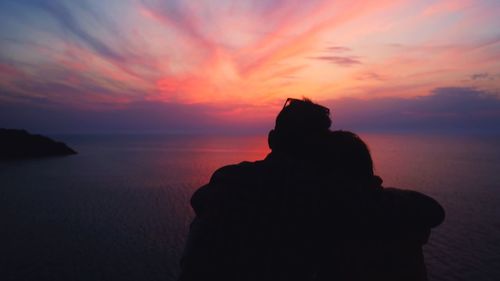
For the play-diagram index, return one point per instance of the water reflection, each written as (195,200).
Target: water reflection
(119,210)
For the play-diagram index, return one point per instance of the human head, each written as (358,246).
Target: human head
(350,156)
(298,125)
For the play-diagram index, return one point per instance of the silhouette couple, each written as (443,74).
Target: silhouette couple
(311,210)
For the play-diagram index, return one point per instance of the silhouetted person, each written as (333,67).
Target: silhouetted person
(293,215)
(252,219)
(376,233)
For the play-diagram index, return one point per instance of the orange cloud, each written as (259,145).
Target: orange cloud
(249,54)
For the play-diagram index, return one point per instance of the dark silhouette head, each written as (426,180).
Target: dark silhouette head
(298,126)
(351,157)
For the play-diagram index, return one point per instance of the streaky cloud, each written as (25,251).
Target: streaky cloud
(484,76)
(80,53)
(340,60)
(444,109)
(68,22)
(338,49)
(449,109)
(370,75)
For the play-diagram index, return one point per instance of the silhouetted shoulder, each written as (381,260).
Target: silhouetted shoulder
(224,184)
(419,208)
(233,173)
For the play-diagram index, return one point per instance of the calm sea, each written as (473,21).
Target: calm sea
(119,210)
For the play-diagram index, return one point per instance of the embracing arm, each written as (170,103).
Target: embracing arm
(203,256)
(418,209)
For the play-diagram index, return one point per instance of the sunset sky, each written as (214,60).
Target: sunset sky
(128,65)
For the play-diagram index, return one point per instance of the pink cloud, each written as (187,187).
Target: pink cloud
(446,6)
(253,53)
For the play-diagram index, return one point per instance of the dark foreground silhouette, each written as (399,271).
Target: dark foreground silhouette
(311,210)
(19,144)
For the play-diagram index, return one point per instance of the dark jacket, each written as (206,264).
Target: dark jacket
(274,220)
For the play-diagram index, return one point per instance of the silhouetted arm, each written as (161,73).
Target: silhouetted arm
(414,209)
(203,257)
(412,214)
(197,252)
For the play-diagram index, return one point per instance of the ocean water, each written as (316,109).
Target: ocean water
(119,210)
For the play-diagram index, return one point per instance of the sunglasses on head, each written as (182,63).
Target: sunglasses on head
(293,100)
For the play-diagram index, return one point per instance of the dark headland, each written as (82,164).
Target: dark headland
(19,144)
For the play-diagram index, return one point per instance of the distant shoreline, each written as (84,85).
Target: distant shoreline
(20,144)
